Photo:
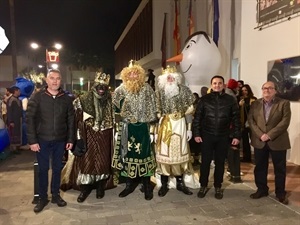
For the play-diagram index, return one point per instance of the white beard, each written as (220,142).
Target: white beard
(171,90)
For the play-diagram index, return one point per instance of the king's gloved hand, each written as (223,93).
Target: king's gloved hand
(189,135)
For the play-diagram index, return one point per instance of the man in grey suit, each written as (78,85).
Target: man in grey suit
(269,119)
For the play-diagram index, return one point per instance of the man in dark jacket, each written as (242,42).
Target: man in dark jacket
(215,114)
(50,130)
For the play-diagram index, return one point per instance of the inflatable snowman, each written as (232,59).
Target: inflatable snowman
(199,60)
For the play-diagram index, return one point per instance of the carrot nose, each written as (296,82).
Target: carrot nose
(177,58)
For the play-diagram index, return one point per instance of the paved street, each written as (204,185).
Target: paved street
(16,194)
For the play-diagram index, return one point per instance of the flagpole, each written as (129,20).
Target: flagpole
(163,46)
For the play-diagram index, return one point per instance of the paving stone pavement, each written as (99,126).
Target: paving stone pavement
(236,208)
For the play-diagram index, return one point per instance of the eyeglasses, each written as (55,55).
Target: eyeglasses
(268,88)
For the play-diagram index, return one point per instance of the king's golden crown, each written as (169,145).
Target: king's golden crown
(169,70)
(132,63)
(102,78)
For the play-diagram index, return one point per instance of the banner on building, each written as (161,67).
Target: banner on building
(271,11)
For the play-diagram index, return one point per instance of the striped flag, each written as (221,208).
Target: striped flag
(216,22)
(190,24)
(176,34)
(163,46)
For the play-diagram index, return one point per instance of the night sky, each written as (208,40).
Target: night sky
(85,26)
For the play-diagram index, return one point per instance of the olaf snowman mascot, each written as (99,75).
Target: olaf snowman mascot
(199,60)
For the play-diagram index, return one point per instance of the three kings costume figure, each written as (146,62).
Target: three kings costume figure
(134,101)
(175,105)
(90,164)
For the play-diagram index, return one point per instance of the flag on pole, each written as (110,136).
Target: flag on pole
(191,25)
(176,34)
(216,22)
(163,46)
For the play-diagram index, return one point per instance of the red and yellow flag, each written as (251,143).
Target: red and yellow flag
(191,25)
(176,33)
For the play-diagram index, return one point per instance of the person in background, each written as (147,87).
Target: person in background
(239,92)
(204,91)
(247,98)
(136,112)
(26,89)
(233,156)
(50,131)
(175,105)
(151,78)
(4,105)
(194,146)
(14,119)
(215,114)
(269,118)
(232,87)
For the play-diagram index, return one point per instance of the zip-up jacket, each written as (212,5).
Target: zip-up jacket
(217,114)
(50,118)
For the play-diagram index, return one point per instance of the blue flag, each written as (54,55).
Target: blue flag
(216,22)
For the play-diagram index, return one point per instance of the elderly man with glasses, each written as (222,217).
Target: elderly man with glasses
(269,119)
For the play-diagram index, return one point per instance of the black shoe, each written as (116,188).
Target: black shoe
(82,196)
(283,200)
(100,189)
(163,190)
(130,187)
(258,195)
(148,188)
(100,193)
(184,189)
(40,205)
(202,192)
(58,200)
(235,180)
(180,186)
(86,189)
(218,193)
(148,194)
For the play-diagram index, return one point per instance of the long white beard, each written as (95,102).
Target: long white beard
(171,90)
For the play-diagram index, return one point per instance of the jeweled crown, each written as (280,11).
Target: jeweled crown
(169,70)
(102,78)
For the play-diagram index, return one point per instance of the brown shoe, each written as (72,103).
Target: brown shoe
(283,200)
(259,194)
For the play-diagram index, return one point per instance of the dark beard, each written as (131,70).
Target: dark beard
(103,99)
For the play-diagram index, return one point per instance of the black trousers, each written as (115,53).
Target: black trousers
(234,165)
(261,169)
(246,145)
(213,147)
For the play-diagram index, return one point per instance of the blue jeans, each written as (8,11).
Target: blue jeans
(54,150)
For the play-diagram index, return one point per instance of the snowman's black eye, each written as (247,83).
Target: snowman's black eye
(190,44)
